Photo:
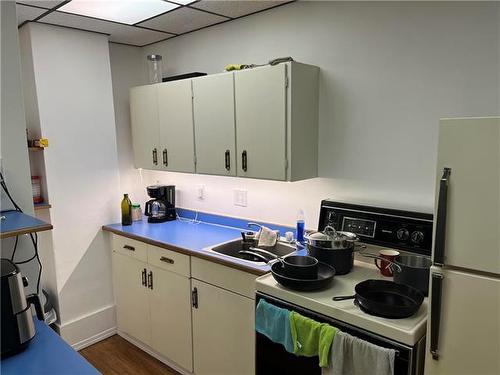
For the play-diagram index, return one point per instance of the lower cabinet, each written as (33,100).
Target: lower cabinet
(204,324)
(153,305)
(223,331)
(132,305)
(170,306)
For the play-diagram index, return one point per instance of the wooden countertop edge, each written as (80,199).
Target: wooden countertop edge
(18,232)
(185,251)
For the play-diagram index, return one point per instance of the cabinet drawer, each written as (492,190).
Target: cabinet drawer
(169,260)
(237,281)
(130,247)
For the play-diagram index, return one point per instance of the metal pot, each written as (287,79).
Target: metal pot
(342,259)
(412,270)
(332,239)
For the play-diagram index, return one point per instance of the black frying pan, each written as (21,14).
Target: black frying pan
(386,298)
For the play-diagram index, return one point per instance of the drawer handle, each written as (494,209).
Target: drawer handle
(128,247)
(167,260)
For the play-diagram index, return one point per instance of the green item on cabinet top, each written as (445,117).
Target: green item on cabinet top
(311,338)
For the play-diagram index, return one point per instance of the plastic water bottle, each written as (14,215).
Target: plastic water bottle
(300,226)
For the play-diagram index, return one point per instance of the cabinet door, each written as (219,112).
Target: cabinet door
(131,297)
(260,97)
(175,104)
(213,108)
(170,303)
(145,127)
(223,332)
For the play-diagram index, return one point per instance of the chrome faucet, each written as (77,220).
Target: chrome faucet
(252,224)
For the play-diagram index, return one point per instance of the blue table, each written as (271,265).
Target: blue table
(17,223)
(47,354)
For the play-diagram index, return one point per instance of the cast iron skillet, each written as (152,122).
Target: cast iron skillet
(325,276)
(386,298)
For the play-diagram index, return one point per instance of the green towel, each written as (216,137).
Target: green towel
(311,338)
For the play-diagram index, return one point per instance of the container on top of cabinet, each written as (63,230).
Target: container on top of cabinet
(257,123)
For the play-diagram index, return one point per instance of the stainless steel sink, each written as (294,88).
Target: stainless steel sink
(234,248)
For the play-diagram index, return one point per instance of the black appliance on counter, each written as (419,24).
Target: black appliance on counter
(404,230)
(17,322)
(162,207)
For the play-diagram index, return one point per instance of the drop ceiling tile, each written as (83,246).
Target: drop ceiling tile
(234,8)
(182,20)
(47,4)
(25,13)
(118,32)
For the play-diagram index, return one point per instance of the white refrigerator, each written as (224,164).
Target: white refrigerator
(463,331)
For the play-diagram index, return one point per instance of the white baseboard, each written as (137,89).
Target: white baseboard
(153,353)
(94,339)
(90,328)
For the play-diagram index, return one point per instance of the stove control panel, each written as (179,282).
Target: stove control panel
(405,230)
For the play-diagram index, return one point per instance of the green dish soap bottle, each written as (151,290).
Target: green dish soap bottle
(126,210)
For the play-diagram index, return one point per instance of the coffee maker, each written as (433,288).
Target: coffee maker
(162,207)
(17,322)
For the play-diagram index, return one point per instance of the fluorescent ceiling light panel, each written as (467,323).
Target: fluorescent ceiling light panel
(183,2)
(125,11)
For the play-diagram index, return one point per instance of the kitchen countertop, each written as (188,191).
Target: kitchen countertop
(192,238)
(47,354)
(17,223)
(407,331)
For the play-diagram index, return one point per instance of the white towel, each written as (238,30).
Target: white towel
(353,356)
(267,237)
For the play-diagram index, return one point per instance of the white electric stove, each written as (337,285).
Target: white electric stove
(407,331)
(378,228)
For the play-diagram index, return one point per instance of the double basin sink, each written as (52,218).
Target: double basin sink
(257,255)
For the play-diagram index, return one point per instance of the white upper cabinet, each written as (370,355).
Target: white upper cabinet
(260,97)
(257,123)
(213,108)
(145,126)
(175,109)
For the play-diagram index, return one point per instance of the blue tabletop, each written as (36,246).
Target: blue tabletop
(47,354)
(194,236)
(16,222)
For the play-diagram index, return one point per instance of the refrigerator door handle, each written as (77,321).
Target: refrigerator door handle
(440,239)
(436,290)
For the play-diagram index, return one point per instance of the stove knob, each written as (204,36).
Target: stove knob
(417,237)
(403,234)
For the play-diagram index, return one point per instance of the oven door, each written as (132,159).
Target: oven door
(272,358)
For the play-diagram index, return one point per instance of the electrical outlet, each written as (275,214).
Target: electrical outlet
(200,192)
(240,197)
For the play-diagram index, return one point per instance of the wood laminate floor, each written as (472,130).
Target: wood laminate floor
(116,356)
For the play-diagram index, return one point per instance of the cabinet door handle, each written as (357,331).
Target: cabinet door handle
(128,247)
(165,157)
(244,165)
(227,160)
(143,275)
(150,280)
(194,298)
(167,260)
(440,240)
(155,156)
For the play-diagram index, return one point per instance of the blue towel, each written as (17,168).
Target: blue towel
(274,323)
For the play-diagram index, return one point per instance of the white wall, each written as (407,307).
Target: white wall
(128,70)
(13,150)
(389,71)
(75,103)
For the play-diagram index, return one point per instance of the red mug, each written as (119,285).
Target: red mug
(384,265)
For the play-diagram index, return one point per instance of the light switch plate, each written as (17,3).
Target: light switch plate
(240,197)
